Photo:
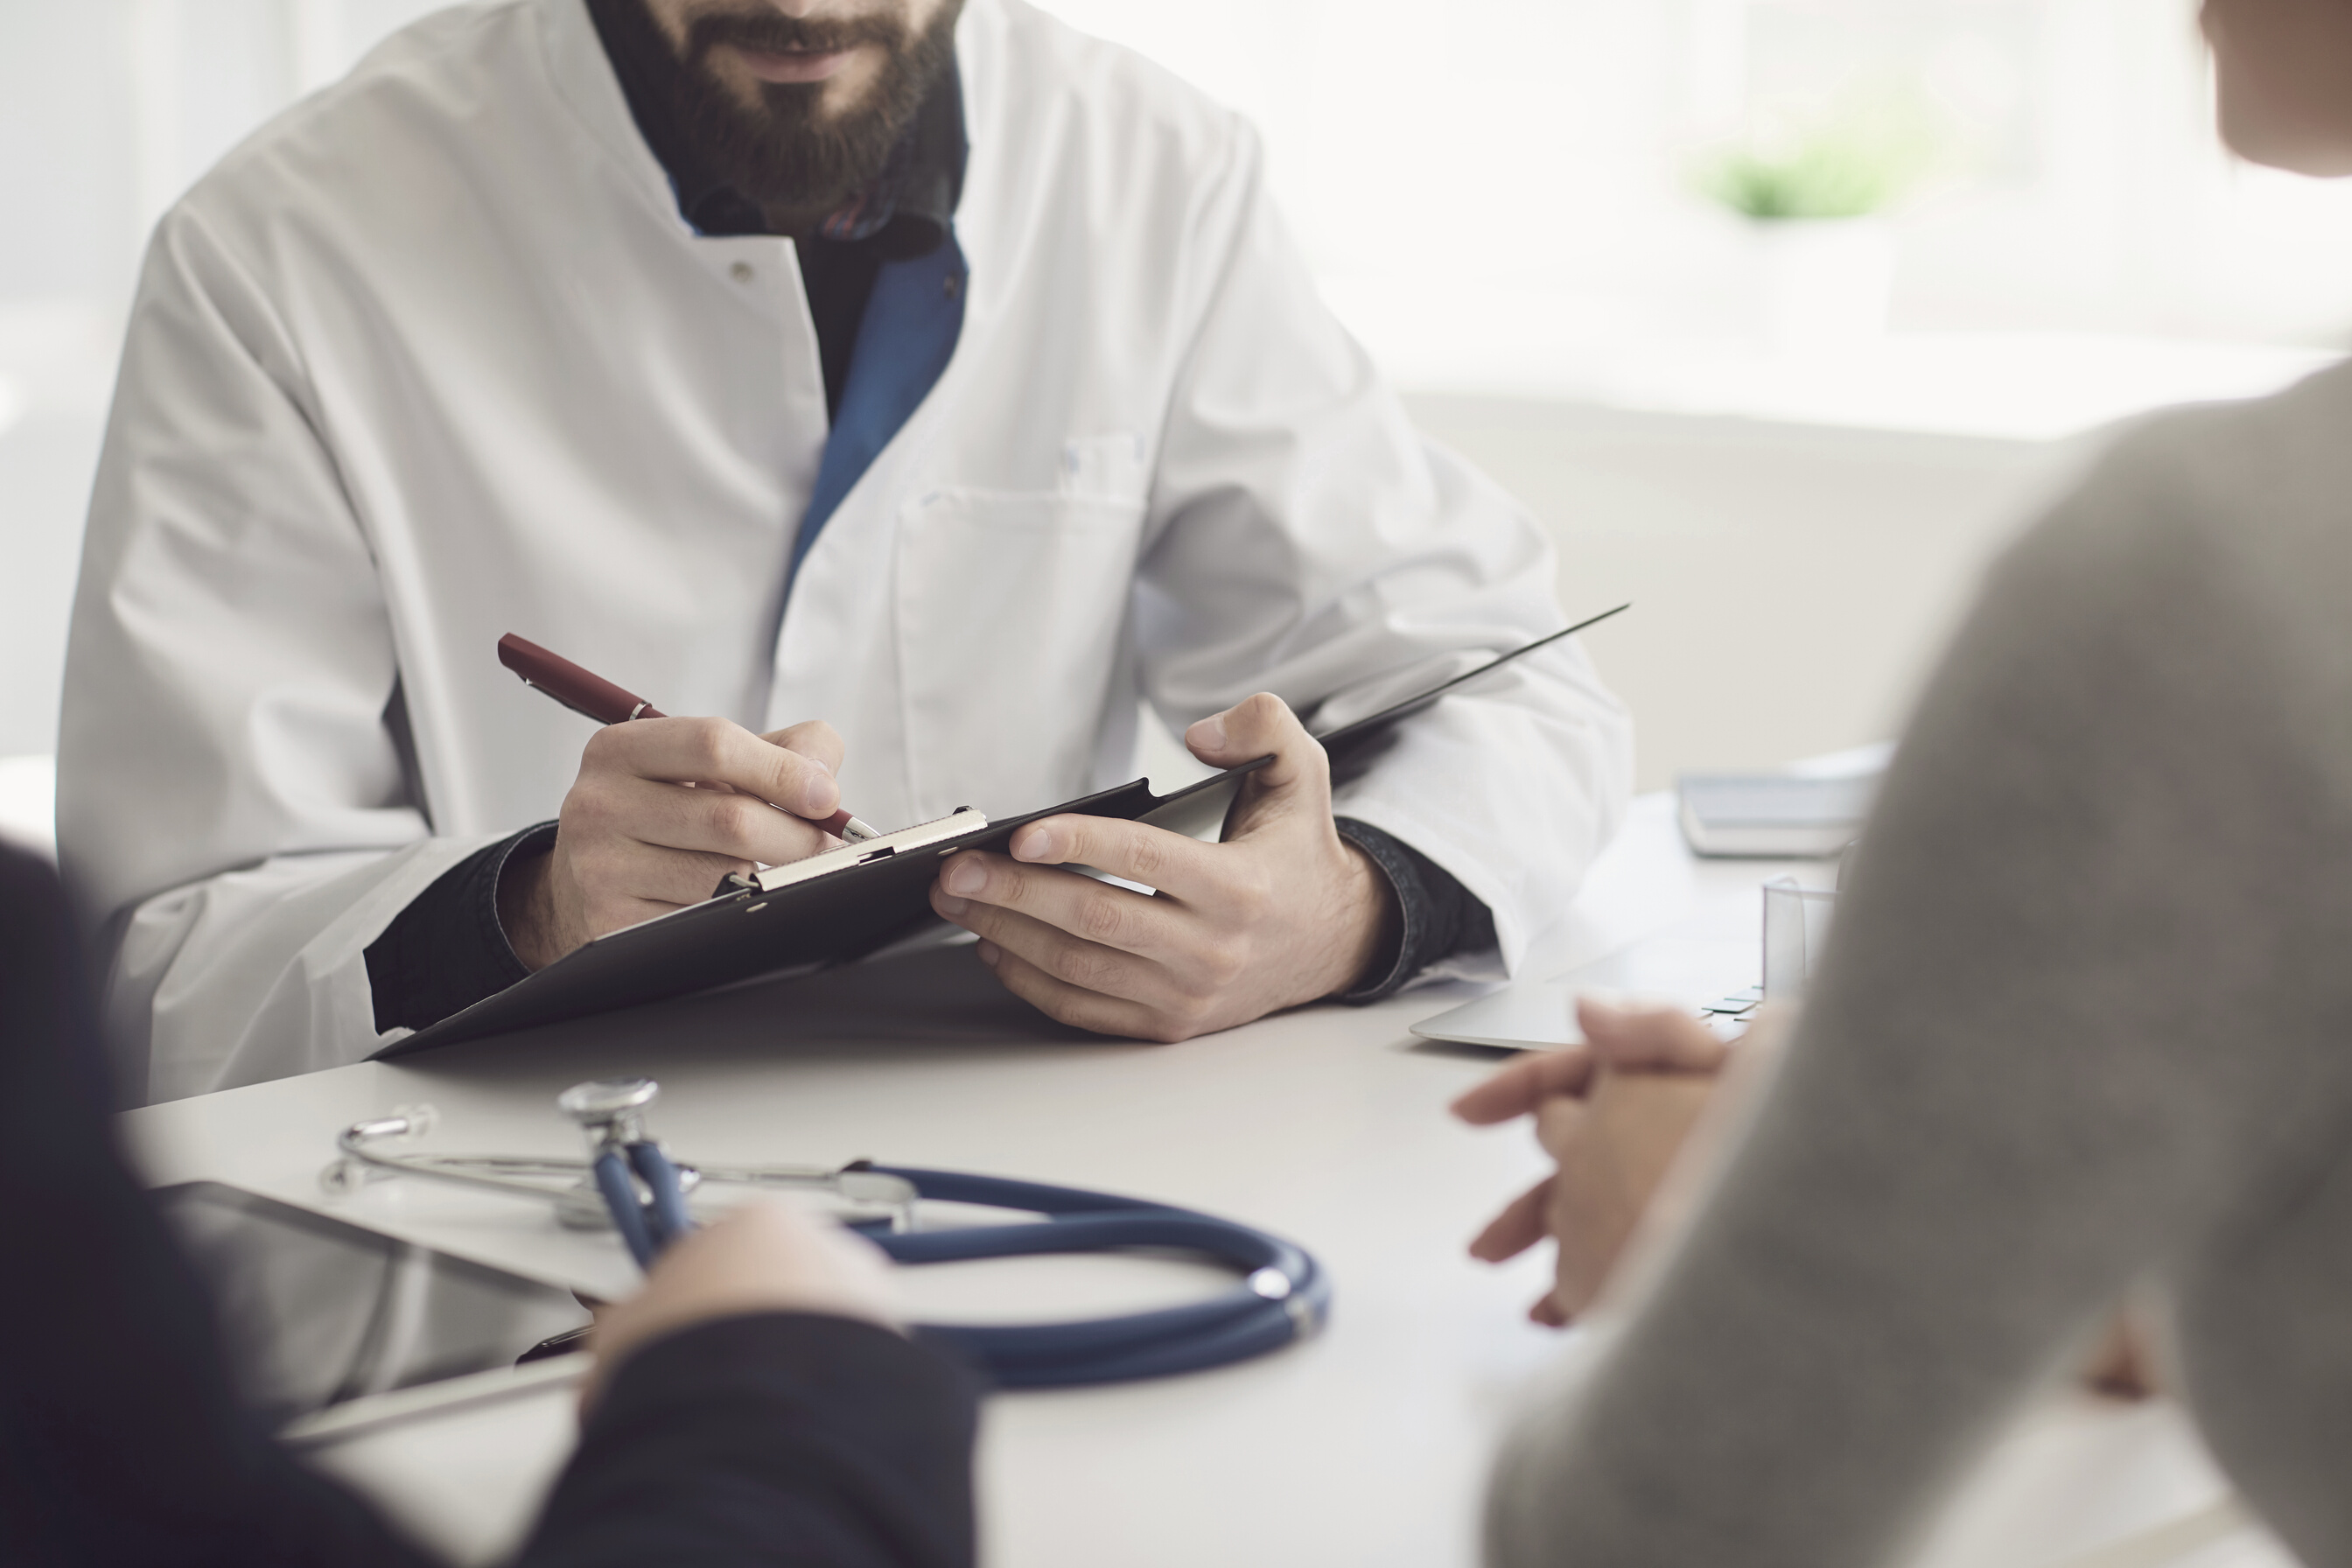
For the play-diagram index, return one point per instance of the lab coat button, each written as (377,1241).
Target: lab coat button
(741,273)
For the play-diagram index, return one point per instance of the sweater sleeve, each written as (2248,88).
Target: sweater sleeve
(781,1438)
(2084,998)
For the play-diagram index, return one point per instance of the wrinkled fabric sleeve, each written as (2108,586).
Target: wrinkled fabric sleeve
(233,818)
(448,950)
(1436,915)
(1302,539)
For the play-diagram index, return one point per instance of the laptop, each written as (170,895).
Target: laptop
(1710,966)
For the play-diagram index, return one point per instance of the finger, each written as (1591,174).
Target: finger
(690,750)
(1519,1227)
(1524,1084)
(2123,1366)
(1085,966)
(1559,1119)
(1547,1312)
(1181,867)
(730,824)
(1261,726)
(1077,1006)
(1656,1040)
(814,739)
(1088,910)
(1294,788)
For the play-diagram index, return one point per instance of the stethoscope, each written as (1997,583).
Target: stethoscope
(630,1184)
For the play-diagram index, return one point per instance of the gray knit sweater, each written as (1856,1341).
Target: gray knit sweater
(2086,1021)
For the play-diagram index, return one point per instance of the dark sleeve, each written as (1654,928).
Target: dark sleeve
(121,1441)
(772,1439)
(1439,917)
(447,950)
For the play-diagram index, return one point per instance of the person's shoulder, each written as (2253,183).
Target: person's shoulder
(2261,474)
(426,83)
(2223,519)
(2301,425)
(1051,74)
(28,887)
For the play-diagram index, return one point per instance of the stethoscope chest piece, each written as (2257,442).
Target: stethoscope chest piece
(607,1102)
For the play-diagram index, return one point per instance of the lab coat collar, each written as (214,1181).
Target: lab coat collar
(582,77)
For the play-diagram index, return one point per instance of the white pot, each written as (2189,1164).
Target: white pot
(1823,283)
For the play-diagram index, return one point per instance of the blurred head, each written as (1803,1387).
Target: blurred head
(2285,77)
(795,103)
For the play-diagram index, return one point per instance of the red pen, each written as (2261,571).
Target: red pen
(606,703)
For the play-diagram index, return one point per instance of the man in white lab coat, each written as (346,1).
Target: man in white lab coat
(913,384)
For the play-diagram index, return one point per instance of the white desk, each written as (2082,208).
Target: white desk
(1364,1447)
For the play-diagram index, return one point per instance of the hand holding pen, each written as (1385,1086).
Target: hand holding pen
(631,844)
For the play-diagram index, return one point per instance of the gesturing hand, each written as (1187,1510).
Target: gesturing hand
(1282,911)
(1613,1112)
(635,841)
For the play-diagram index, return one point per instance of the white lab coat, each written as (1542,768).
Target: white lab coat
(433,357)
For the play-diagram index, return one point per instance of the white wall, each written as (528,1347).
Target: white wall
(1548,146)
(108,110)
(1436,159)
(1791,583)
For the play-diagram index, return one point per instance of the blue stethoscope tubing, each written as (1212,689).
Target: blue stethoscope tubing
(646,1227)
(1284,1296)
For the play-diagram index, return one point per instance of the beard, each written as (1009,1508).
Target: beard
(786,154)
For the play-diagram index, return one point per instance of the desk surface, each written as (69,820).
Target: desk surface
(1364,1446)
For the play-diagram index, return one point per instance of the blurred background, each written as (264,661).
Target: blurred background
(1779,313)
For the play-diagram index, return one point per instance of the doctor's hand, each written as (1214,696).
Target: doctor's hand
(635,841)
(1282,911)
(1614,1113)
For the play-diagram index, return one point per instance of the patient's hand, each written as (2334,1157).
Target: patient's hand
(766,1256)
(1613,1112)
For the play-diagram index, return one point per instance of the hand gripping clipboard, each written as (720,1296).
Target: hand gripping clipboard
(847,902)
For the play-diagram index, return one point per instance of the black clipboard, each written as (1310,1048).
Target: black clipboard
(847,902)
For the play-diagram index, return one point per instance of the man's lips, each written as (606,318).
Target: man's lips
(793,67)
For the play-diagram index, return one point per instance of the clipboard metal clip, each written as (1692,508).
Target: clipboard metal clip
(960,824)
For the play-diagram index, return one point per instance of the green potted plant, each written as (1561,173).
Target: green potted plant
(1814,197)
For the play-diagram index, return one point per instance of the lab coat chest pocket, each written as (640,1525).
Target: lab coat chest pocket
(1010,606)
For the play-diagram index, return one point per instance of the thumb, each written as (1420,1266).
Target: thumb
(1261,726)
